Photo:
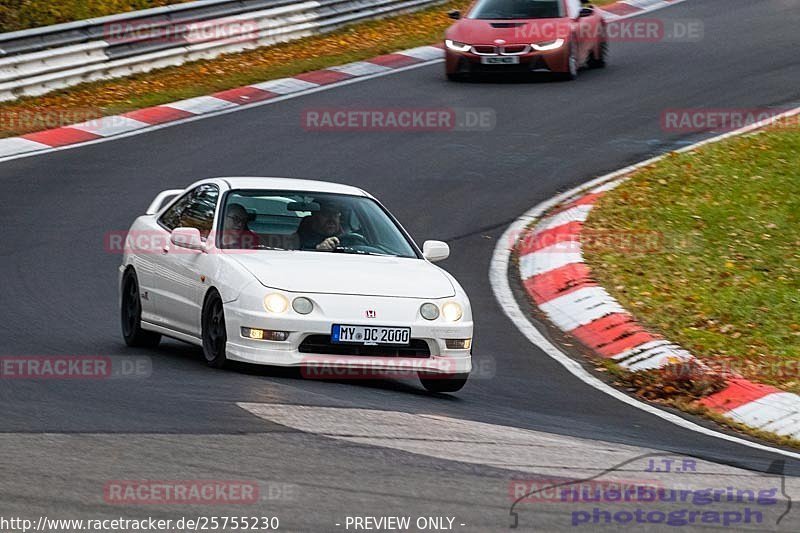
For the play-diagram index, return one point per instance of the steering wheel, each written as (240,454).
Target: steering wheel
(349,240)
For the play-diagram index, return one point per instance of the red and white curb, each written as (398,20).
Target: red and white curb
(630,8)
(259,93)
(560,283)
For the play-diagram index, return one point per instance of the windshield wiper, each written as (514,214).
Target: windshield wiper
(348,250)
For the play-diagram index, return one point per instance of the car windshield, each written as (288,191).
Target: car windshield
(310,221)
(517,9)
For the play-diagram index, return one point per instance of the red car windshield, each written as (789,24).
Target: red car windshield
(517,9)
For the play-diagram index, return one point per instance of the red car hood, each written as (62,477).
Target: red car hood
(474,31)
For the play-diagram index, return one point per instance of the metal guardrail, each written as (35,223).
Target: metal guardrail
(40,60)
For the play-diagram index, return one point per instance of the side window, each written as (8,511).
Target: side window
(195,210)
(172,217)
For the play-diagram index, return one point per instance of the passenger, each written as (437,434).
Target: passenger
(236,233)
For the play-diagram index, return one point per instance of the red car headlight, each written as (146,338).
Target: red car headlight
(456,46)
(555,44)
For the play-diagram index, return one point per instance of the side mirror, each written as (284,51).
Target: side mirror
(161,200)
(586,12)
(435,251)
(454,14)
(187,238)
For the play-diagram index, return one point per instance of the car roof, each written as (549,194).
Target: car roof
(287,184)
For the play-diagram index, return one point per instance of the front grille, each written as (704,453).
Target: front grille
(505,50)
(515,49)
(321,344)
(465,66)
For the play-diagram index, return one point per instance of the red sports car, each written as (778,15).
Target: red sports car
(558,36)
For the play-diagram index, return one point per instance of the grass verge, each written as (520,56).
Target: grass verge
(725,281)
(23,14)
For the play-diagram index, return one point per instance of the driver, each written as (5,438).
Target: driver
(323,229)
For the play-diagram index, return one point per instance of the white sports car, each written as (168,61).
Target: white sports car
(298,273)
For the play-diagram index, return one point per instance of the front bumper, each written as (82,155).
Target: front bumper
(470,63)
(294,353)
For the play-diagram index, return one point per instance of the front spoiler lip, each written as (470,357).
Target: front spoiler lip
(451,363)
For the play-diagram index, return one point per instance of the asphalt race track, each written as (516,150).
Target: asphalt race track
(62,441)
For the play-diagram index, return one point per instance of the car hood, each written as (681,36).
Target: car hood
(474,31)
(330,273)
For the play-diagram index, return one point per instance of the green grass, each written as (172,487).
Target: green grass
(726,282)
(23,14)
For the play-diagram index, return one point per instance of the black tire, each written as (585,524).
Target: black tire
(456,77)
(440,383)
(601,61)
(131,315)
(215,336)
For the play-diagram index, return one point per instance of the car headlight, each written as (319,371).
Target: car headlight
(302,305)
(548,45)
(457,46)
(429,311)
(276,303)
(452,311)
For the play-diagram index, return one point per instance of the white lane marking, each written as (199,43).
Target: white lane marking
(646,4)
(426,53)
(498,276)
(360,68)
(285,86)
(498,446)
(581,307)
(233,109)
(18,145)
(610,186)
(201,105)
(113,125)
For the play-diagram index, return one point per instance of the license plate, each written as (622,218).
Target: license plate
(503,60)
(370,335)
